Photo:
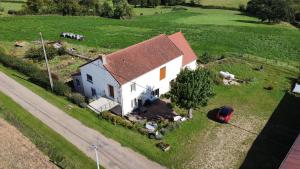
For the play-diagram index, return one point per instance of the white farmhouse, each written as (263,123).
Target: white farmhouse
(137,73)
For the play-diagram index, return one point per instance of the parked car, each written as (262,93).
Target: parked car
(224,114)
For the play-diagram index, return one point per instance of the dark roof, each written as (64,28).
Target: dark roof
(179,40)
(76,74)
(134,61)
(292,160)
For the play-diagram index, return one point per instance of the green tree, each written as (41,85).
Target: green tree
(69,7)
(34,6)
(271,10)
(122,10)
(192,89)
(106,10)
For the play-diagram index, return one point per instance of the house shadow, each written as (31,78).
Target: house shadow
(274,141)
(155,111)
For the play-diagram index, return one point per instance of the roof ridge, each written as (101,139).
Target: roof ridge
(135,45)
(174,43)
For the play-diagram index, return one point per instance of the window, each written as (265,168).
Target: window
(133,87)
(77,83)
(111,91)
(162,73)
(155,93)
(134,103)
(89,78)
(93,92)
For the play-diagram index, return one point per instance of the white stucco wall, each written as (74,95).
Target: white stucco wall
(101,79)
(149,82)
(193,65)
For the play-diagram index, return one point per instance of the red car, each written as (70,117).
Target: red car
(224,114)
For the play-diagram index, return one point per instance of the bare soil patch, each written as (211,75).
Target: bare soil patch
(17,152)
(224,145)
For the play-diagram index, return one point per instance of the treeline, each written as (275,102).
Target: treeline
(119,9)
(274,10)
(154,3)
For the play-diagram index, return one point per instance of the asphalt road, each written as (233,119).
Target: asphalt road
(112,154)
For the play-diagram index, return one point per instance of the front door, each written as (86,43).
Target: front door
(111,91)
(140,102)
(93,92)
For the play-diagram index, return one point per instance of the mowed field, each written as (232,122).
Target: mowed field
(213,31)
(223,3)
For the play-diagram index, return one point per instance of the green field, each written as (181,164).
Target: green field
(49,142)
(224,3)
(213,31)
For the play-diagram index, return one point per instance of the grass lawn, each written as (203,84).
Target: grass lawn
(10,6)
(213,31)
(225,3)
(189,142)
(49,142)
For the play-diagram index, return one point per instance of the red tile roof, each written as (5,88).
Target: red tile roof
(292,160)
(134,61)
(179,40)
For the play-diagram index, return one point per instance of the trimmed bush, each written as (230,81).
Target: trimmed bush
(78,99)
(116,119)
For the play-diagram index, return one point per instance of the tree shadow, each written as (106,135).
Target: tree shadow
(273,143)
(255,22)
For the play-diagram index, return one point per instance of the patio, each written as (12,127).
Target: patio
(102,104)
(158,109)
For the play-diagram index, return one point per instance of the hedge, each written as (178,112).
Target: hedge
(35,74)
(116,119)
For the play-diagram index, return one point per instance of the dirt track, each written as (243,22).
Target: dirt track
(17,152)
(225,145)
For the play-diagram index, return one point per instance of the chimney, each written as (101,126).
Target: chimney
(103,59)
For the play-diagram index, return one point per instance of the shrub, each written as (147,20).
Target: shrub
(116,119)
(60,88)
(1,9)
(242,8)
(206,58)
(297,16)
(142,130)
(62,51)
(35,74)
(179,9)
(12,12)
(38,53)
(78,99)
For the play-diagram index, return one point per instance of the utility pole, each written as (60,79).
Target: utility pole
(96,151)
(48,68)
